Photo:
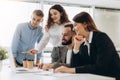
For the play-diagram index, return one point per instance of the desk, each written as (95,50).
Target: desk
(7,74)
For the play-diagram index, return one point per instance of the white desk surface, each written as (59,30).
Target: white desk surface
(7,74)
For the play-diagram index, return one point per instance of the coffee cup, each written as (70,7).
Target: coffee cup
(30,64)
(24,63)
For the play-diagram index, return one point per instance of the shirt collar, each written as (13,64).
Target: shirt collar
(90,38)
(29,25)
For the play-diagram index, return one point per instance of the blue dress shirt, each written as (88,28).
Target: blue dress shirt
(24,39)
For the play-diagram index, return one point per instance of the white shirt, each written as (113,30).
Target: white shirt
(89,41)
(53,36)
(68,56)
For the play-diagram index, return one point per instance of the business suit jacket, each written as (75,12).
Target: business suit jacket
(103,59)
(59,56)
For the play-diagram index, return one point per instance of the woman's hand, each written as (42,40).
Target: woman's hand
(64,69)
(78,40)
(33,51)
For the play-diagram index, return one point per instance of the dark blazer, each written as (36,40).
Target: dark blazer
(103,58)
(59,56)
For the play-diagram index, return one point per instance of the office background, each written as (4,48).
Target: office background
(106,14)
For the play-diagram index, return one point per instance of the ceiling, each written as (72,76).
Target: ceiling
(97,3)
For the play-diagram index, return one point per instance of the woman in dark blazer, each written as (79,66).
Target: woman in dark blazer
(101,56)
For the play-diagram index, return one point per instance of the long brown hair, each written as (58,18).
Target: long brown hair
(64,16)
(84,17)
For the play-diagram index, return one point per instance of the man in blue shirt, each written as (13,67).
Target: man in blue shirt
(25,38)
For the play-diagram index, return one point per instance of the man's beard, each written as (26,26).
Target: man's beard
(68,42)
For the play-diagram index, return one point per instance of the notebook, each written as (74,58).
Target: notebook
(21,69)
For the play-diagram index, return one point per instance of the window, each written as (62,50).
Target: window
(107,21)
(13,13)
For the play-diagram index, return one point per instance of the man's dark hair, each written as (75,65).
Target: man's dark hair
(70,25)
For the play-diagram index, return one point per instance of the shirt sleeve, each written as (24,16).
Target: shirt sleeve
(15,41)
(75,51)
(40,37)
(39,55)
(43,42)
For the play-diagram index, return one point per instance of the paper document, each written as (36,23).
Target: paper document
(51,73)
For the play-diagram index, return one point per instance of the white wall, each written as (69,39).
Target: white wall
(109,22)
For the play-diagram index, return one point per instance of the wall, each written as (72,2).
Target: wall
(108,20)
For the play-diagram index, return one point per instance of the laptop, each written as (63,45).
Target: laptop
(21,69)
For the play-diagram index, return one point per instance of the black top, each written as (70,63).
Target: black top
(103,58)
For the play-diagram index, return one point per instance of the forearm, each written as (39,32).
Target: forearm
(37,61)
(64,69)
(71,70)
(58,64)
(43,42)
(76,47)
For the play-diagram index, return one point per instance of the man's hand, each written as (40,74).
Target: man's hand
(17,65)
(47,66)
(40,66)
(15,62)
